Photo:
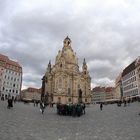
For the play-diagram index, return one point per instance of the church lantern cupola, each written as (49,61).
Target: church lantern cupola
(67,42)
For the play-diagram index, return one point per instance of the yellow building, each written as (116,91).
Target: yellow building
(63,82)
(118,87)
(31,94)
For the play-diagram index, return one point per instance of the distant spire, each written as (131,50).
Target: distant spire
(84,65)
(84,62)
(49,62)
(49,66)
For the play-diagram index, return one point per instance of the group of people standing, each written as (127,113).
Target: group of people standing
(71,109)
(124,101)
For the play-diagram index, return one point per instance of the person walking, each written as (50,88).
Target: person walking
(42,107)
(84,107)
(101,106)
(10,103)
(124,102)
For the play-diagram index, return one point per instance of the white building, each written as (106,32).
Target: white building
(130,79)
(10,77)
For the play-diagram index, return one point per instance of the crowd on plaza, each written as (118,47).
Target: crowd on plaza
(71,109)
(127,101)
(10,100)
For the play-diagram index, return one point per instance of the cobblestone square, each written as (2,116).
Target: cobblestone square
(25,122)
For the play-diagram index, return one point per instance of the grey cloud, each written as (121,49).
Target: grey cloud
(106,34)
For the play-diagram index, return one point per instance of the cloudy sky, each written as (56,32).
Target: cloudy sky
(105,32)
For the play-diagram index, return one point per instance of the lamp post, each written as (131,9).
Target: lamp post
(72,87)
(43,88)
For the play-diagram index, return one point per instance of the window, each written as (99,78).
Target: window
(13,90)
(60,83)
(13,85)
(59,99)
(68,91)
(16,91)
(69,99)
(15,79)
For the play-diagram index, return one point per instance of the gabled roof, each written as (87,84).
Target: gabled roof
(129,68)
(5,59)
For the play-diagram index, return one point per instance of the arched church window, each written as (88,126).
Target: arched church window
(61,65)
(68,91)
(60,83)
(56,84)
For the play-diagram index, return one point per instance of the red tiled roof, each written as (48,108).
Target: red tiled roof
(3,57)
(129,68)
(31,89)
(10,62)
(98,89)
(13,63)
(109,89)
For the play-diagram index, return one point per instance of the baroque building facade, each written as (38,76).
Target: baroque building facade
(63,82)
(10,77)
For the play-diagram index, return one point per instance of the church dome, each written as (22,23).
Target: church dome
(67,53)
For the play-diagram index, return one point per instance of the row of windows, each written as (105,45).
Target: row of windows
(132,92)
(12,72)
(132,73)
(10,91)
(129,81)
(129,87)
(12,78)
(8,83)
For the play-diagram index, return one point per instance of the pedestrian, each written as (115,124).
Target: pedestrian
(10,103)
(128,101)
(124,103)
(84,107)
(34,103)
(42,107)
(101,106)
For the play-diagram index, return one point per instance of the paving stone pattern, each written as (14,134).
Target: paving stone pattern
(25,122)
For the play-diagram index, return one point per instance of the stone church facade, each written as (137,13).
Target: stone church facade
(63,82)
